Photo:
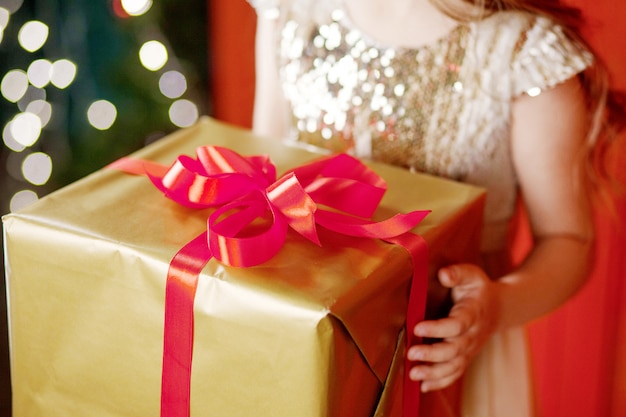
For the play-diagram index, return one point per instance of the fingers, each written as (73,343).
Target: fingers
(461,275)
(459,321)
(439,352)
(445,328)
(467,326)
(439,375)
(440,364)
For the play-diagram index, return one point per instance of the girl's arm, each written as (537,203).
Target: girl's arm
(548,141)
(270,107)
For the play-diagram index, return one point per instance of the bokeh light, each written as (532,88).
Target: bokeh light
(33,35)
(38,66)
(153,55)
(32,93)
(14,165)
(102,114)
(39,72)
(63,73)
(136,7)
(14,85)
(11,6)
(183,113)
(22,199)
(9,140)
(26,128)
(4,21)
(37,168)
(42,109)
(4,18)
(172,84)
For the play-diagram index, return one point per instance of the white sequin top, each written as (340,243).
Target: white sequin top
(443,108)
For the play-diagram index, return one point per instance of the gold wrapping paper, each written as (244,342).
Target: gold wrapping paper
(310,333)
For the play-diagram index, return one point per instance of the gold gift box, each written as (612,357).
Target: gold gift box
(312,332)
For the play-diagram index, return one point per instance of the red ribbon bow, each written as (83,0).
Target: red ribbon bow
(245,192)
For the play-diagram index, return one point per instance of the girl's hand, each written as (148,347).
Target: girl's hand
(471,321)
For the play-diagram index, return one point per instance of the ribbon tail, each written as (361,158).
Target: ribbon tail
(180,290)
(138,167)
(417,248)
(359,227)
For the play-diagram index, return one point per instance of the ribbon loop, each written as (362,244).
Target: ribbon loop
(187,183)
(343,183)
(295,204)
(220,160)
(236,240)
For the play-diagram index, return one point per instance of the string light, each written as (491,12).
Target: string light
(63,73)
(39,72)
(153,55)
(14,85)
(33,35)
(183,113)
(136,7)
(4,18)
(9,140)
(102,114)
(4,21)
(26,128)
(172,84)
(32,93)
(22,199)
(37,168)
(12,5)
(42,109)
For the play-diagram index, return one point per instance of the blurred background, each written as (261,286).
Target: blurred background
(83,82)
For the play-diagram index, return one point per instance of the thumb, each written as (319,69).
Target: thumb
(460,275)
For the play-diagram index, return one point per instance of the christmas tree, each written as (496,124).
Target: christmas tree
(85,82)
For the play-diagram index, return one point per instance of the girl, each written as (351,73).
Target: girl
(500,93)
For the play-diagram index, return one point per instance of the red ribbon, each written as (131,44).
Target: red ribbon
(254,211)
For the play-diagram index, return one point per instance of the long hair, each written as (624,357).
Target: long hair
(606,107)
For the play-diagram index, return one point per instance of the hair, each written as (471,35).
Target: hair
(606,106)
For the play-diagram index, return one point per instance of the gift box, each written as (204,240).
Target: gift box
(311,332)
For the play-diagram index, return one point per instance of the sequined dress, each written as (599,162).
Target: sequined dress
(443,108)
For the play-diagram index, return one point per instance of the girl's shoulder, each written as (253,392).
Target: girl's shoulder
(534,50)
(537,51)
(528,33)
(516,24)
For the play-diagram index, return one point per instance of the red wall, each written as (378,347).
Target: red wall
(231,39)
(580,351)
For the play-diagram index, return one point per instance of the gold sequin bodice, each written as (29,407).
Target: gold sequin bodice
(443,108)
